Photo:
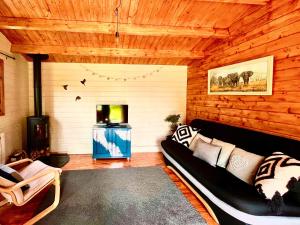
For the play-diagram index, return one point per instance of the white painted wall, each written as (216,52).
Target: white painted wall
(13,123)
(150,100)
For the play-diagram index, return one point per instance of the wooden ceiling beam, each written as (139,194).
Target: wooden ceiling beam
(110,52)
(250,2)
(109,28)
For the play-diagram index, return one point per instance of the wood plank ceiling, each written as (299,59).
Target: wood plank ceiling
(151,31)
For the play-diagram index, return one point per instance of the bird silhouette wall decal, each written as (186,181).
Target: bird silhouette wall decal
(65,86)
(77,98)
(83,81)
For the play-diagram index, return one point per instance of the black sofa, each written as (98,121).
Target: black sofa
(232,200)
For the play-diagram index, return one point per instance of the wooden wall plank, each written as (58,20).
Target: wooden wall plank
(273,30)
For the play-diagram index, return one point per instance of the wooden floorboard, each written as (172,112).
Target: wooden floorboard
(12,215)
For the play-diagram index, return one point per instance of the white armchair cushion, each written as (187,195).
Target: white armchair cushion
(34,186)
(40,183)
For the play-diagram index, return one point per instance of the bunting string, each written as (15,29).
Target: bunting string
(122,77)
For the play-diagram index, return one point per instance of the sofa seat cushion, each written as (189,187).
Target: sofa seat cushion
(224,185)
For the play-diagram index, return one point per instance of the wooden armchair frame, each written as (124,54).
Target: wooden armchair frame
(55,181)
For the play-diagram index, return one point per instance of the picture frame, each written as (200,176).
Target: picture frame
(253,77)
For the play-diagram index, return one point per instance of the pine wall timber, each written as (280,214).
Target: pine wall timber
(272,30)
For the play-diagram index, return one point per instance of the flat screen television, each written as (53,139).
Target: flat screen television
(112,114)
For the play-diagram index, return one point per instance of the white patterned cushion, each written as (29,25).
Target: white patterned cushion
(276,175)
(244,165)
(184,134)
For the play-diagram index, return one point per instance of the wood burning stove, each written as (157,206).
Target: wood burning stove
(38,141)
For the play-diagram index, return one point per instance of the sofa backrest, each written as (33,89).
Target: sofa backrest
(249,140)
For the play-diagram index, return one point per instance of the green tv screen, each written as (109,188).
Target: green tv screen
(112,113)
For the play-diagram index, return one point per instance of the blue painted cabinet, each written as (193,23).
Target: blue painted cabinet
(111,141)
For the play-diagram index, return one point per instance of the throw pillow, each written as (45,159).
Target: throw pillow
(226,150)
(277,174)
(199,137)
(244,165)
(12,175)
(207,152)
(184,134)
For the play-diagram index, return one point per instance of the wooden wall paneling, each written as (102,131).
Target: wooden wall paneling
(258,16)
(279,36)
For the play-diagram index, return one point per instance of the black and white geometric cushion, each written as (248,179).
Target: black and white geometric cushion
(277,174)
(184,135)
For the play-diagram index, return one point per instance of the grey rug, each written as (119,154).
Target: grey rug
(131,196)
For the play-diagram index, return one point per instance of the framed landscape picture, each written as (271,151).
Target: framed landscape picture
(252,77)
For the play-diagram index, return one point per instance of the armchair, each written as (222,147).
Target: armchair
(38,175)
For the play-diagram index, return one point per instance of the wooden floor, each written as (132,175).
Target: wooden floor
(12,215)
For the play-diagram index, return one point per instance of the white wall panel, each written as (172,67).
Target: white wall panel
(150,100)
(13,123)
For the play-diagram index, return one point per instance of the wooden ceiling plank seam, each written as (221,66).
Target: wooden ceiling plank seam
(64,14)
(34,49)
(137,13)
(92,9)
(245,14)
(72,9)
(193,15)
(34,5)
(133,6)
(154,14)
(151,44)
(53,10)
(232,11)
(27,12)
(188,43)
(171,9)
(20,8)
(79,10)
(125,41)
(125,12)
(109,14)
(146,11)
(97,10)
(85,10)
(5,10)
(159,13)
(12,6)
(103,7)
(248,2)
(182,6)
(44,8)
(94,40)
(198,44)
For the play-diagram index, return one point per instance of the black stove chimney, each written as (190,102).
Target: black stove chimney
(37,82)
